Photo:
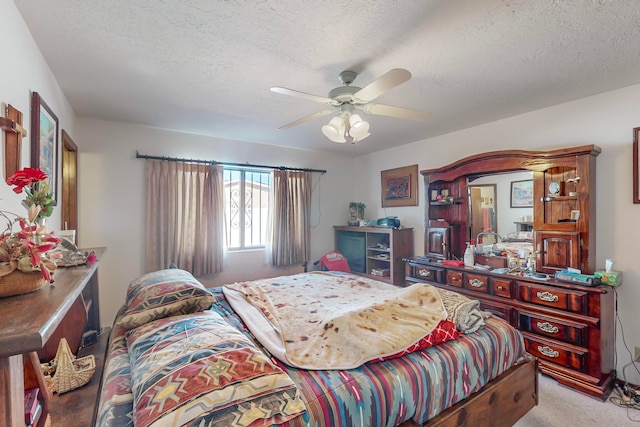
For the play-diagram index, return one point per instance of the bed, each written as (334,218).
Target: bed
(483,378)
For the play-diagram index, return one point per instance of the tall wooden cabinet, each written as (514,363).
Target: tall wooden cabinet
(376,252)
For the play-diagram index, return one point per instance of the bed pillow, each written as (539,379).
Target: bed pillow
(198,370)
(161,294)
(445,331)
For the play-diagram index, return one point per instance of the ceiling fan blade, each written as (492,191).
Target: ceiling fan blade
(389,110)
(307,118)
(296,93)
(383,84)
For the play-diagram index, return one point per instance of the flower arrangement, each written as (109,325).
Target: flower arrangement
(25,250)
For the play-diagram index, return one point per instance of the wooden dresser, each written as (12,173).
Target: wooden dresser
(570,328)
(28,321)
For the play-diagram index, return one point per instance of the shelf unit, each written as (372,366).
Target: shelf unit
(371,249)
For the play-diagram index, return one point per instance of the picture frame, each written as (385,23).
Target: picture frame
(636,163)
(522,194)
(44,141)
(399,186)
(575,215)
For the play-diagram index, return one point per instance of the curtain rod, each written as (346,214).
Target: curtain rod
(213,162)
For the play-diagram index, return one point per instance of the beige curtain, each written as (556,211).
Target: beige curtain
(184,216)
(290,232)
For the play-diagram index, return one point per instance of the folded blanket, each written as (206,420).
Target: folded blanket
(327,321)
(464,312)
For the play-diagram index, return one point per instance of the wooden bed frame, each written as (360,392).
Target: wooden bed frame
(500,403)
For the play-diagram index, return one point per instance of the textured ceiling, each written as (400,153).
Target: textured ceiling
(205,66)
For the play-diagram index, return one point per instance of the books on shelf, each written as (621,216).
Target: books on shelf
(32,406)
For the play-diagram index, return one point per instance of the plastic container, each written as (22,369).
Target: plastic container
(468,258)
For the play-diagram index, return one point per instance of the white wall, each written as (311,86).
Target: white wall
(23,70)
(606,120)
(111,188)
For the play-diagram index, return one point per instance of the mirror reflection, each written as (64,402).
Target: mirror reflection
(491,211)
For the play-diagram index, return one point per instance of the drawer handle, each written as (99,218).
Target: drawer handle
(548,327)
(547,296)
(548,351)
(501,288)
(476,283)
(424,273)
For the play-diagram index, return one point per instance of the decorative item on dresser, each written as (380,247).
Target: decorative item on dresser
(24,263)
(570,327)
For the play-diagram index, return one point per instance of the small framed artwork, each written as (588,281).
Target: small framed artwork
(434,195)
(636,163)
(44,141)
(522,194)
(400,186)
(575,215)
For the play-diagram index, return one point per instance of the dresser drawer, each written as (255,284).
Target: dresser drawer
(563,299)
(476,282)
(563,330)
(565,355)
(501,287)
(427,272)
(454,278)
(504,312)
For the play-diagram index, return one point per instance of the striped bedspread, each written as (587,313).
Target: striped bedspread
(416,386)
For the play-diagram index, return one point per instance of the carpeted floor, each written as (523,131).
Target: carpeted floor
(560,406)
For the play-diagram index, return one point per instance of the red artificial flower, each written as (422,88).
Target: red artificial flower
(25,177)
(92,258)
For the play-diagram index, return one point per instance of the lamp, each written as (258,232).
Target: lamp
(346,125)
(335,130)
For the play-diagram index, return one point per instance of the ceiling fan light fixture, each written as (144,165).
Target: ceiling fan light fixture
(334,130)
(359,128)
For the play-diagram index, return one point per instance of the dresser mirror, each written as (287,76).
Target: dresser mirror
(490,207)
(558,227)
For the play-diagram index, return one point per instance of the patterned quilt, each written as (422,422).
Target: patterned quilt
(416,386)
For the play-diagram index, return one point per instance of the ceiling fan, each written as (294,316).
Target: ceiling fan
(346,99)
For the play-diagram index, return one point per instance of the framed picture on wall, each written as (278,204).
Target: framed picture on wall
(44,142)
(400,186)
(522,194)
(636,162)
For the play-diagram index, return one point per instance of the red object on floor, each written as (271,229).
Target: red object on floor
(334,261)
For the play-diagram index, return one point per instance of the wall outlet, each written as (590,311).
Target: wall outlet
(637,354)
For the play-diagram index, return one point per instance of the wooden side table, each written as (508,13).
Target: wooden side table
(28,321)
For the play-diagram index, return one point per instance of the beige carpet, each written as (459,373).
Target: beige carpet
(560,406)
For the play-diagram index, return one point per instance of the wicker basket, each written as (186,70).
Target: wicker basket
(71,373)
(17,282)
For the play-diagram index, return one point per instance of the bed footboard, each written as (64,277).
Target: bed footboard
(500,403)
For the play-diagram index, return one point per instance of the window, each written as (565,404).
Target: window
(246,208)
